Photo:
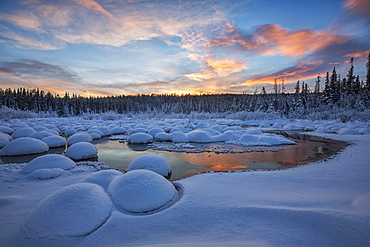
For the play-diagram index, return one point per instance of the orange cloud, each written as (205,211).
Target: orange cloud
(280,41)
(91,4)
(218,68)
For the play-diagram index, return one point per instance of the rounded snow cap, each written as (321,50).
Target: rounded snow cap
(74,211)
(154,163)
(24,145)
(81,151)
(49,161)
(141,191)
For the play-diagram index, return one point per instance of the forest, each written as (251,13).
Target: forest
(331,97)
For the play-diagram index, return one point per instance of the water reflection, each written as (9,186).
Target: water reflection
(308,149)
(119,155)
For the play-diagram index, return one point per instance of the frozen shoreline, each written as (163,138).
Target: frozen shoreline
(326,203)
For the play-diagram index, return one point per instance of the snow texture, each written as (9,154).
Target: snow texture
(47,173)
(54,141)
(49,161)
(141,191)
(154,163)
(74,211)
(82,150)
(79,137)
(140,138)
(23,132)
(24,145)
(102,178)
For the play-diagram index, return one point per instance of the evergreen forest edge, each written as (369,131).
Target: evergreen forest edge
(345,99)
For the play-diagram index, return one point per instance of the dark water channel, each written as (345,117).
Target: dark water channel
(214,156)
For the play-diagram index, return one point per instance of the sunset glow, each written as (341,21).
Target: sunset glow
(105,47)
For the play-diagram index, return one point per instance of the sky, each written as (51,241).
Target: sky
(114,47)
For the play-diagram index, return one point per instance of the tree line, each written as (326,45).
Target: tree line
(329,94)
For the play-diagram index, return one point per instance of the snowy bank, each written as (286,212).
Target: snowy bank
(326,203)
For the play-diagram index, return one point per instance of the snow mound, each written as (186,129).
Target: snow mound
(23,132)
(348,131)
(261,140)
(162,136)
(24,145)
(82,150)
(74,211)
(3,140)
(118,131)
(49,161)
(154,163)
(6,130)
(40,135)
(141,191)
(140,138)
(47,173)
(79,137)
(54,141)
(200,136)
(102,178)
(178,136)
(155,131)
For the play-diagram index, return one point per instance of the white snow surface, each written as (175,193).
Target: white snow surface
(47,173)
(154,163)
(326,203)
(54,141)
(73,211)
(141,191)
(24,145)
(82,150)
(140,138)
(49,161)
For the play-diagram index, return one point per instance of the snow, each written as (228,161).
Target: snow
(49,161)
(76,210)
(54,141)
(82,150)
(6,130)
(79,137)
(47,173)
(140,138)
(3,140)
(326,203)
(24,145)
(23,132)
(103,178)
(154,163)
(141,191)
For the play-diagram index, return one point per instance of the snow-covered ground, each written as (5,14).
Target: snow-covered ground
(326,203)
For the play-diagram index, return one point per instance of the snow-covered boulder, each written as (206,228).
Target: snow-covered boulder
(155,131)
(49,161)
(81,151)
(69,131)
(164,137)
(74,211)
(105,131)
(154,163)
(200,136)
(23,132)
(226,136)
(141,191)
(3,139)
(102,178)
(54,141)
(118,131)
(40,135)
(6,130)
(47,173)
(24,145)
(140,130)
(95,131)
(178,136)
(79,137)
(140,138)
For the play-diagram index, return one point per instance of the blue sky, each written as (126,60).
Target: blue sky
(111,47)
